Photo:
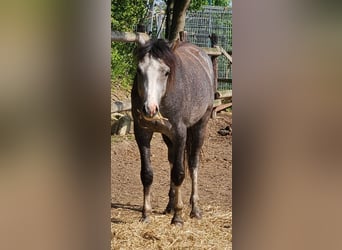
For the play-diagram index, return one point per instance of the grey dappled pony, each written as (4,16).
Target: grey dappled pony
(173,94)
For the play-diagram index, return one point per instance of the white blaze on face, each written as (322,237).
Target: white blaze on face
(154,73)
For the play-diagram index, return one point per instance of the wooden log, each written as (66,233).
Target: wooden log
(217,102)
(213,51)
(229,57)
(220,104)
(121,106)
(223,94)
(120,124)
(222,107)
(114,122)
(124,125)
(119,36)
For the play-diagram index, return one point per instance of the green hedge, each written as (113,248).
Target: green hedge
(125,15)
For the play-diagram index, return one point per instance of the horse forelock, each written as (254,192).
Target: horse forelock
(159,49)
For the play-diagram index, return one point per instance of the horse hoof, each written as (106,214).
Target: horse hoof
(196,214)
(144,219)
(168,210)
(177,221)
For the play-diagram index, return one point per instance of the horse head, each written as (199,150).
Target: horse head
(156,64)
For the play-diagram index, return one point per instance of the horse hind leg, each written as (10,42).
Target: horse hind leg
(172,192)
(195,141)
(147,208)
(178,207)
(178,174)
(171,204)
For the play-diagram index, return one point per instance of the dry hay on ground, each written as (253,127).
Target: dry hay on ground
(213,231)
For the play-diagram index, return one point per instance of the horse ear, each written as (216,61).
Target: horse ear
(174,45)
(142,38)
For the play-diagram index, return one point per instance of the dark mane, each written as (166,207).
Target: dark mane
(159,49)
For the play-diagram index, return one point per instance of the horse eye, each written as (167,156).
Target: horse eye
(139,70)
(167,73)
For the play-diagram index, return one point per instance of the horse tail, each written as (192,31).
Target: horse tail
(188,149)
(187,152)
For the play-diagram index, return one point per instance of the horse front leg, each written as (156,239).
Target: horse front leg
(143,139)
(170,205)
(177,177)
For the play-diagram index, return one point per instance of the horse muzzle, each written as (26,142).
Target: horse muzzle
(149,111)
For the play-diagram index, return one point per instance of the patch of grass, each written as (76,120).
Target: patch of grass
(119,138)
(130,137)
(122,86)
(230,109)
(123,66)
(116,138)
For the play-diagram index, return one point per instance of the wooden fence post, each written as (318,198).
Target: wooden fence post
(214,39)
(182,36)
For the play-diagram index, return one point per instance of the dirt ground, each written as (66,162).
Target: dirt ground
(215,173)
(215,182)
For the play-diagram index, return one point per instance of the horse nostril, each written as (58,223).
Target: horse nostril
(157,109)
(145,110)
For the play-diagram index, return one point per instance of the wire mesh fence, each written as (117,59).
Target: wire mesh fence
(201,24)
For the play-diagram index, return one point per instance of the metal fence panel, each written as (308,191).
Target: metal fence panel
(212,19)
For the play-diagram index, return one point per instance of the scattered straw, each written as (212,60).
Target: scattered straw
(213,231)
